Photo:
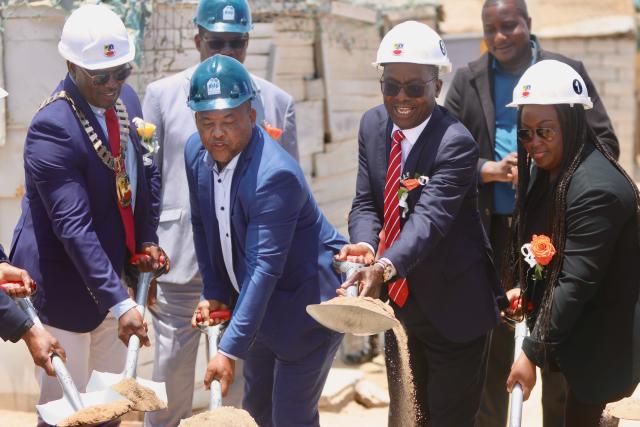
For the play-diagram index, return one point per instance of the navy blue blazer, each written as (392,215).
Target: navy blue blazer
(70,236)
(12,318)
(282,249)
(442,249)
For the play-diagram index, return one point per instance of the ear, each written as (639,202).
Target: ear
(197,40)
(253,116)
(529,24)
(438,87)
(71,68)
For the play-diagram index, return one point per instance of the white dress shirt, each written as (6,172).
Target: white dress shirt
(410,138)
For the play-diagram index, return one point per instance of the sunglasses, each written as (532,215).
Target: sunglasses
(119,75)
(526,135)
(412,90)
(220,44)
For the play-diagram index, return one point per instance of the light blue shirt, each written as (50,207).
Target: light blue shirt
(506,141)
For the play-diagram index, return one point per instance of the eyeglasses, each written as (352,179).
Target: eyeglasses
(412,90)
(220,44)
(119,74)
(526,135)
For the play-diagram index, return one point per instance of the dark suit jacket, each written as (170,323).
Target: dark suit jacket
(12,318)
(595,315)
(70,235)
(442,248)
(282,249)
(470,99)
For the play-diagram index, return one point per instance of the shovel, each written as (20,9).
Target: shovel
(105,380)
(72,401)
(517,397)
(352,314)
(213,332)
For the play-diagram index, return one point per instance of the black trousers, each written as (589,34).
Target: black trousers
(448,376)
(495,399)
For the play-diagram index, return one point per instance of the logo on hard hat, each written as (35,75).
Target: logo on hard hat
(213,86)
(109,50)
(228,13)
(526,90)
(442,48)
(577,86)
(397,48)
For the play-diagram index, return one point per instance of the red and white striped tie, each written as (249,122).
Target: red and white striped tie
(398,290)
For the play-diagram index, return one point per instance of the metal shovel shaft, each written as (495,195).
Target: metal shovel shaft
(348,268)
(69,389)
(517,396)
(131,364)
(215,395)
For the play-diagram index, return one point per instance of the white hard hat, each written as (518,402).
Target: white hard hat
(95,38)
(415,43)
(551,82)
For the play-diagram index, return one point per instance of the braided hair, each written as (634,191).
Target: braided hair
(576,134)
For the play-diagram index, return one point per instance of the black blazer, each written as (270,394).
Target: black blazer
(442,248)
(470,99)
(12,319)
(595,315)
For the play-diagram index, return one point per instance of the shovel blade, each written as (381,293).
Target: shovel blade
(104,380)
(351,319)
(56,411)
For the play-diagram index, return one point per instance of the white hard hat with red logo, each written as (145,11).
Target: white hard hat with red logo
(551,82)
(413,42)
(95,38)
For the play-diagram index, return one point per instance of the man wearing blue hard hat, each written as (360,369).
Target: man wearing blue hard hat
(223,28)
(264,249)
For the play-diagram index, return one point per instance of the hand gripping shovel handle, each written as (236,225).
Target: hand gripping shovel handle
(517,395)
(131,363)
(349,269)
(69,388)
(6,286)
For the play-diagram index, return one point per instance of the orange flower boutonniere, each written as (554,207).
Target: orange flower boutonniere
(273,131)
(538,254)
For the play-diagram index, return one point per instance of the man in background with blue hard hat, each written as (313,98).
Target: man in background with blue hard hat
(259,233)
(223,28)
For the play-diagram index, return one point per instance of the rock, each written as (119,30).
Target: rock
(370,395)
(339,387)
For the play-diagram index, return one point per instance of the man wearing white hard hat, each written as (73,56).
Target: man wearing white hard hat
(417,182)
(89,204)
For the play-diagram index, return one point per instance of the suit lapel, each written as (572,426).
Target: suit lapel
(481,79)
(243,163)
(415,154)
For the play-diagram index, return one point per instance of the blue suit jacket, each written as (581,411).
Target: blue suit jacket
(282,249)
(12,318)
(442,248)
(70,235)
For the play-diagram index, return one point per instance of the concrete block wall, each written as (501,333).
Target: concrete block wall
(611,64)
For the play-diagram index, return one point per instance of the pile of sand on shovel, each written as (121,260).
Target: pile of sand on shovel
(226,416)
(351,319)
(97,414)
(143,398)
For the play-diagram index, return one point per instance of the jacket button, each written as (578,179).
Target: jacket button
(486,211)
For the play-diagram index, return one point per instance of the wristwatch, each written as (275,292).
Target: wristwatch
(387,270)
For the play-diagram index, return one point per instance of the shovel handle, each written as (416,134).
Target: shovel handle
(69,388)
(348,268)
(213,315)
(517,397)
(215,393)
(131,364)
(5,286)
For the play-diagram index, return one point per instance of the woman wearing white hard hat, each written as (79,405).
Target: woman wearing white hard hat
(575,249)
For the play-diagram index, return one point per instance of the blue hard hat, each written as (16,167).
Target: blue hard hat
(224,16)
(218,83)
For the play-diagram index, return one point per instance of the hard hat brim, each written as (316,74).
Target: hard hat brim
(102,64)
(218,104)
(226,27)
(587,104)
(443,67)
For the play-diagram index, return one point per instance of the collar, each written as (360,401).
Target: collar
(534,56)
(413,134)
(211,164)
